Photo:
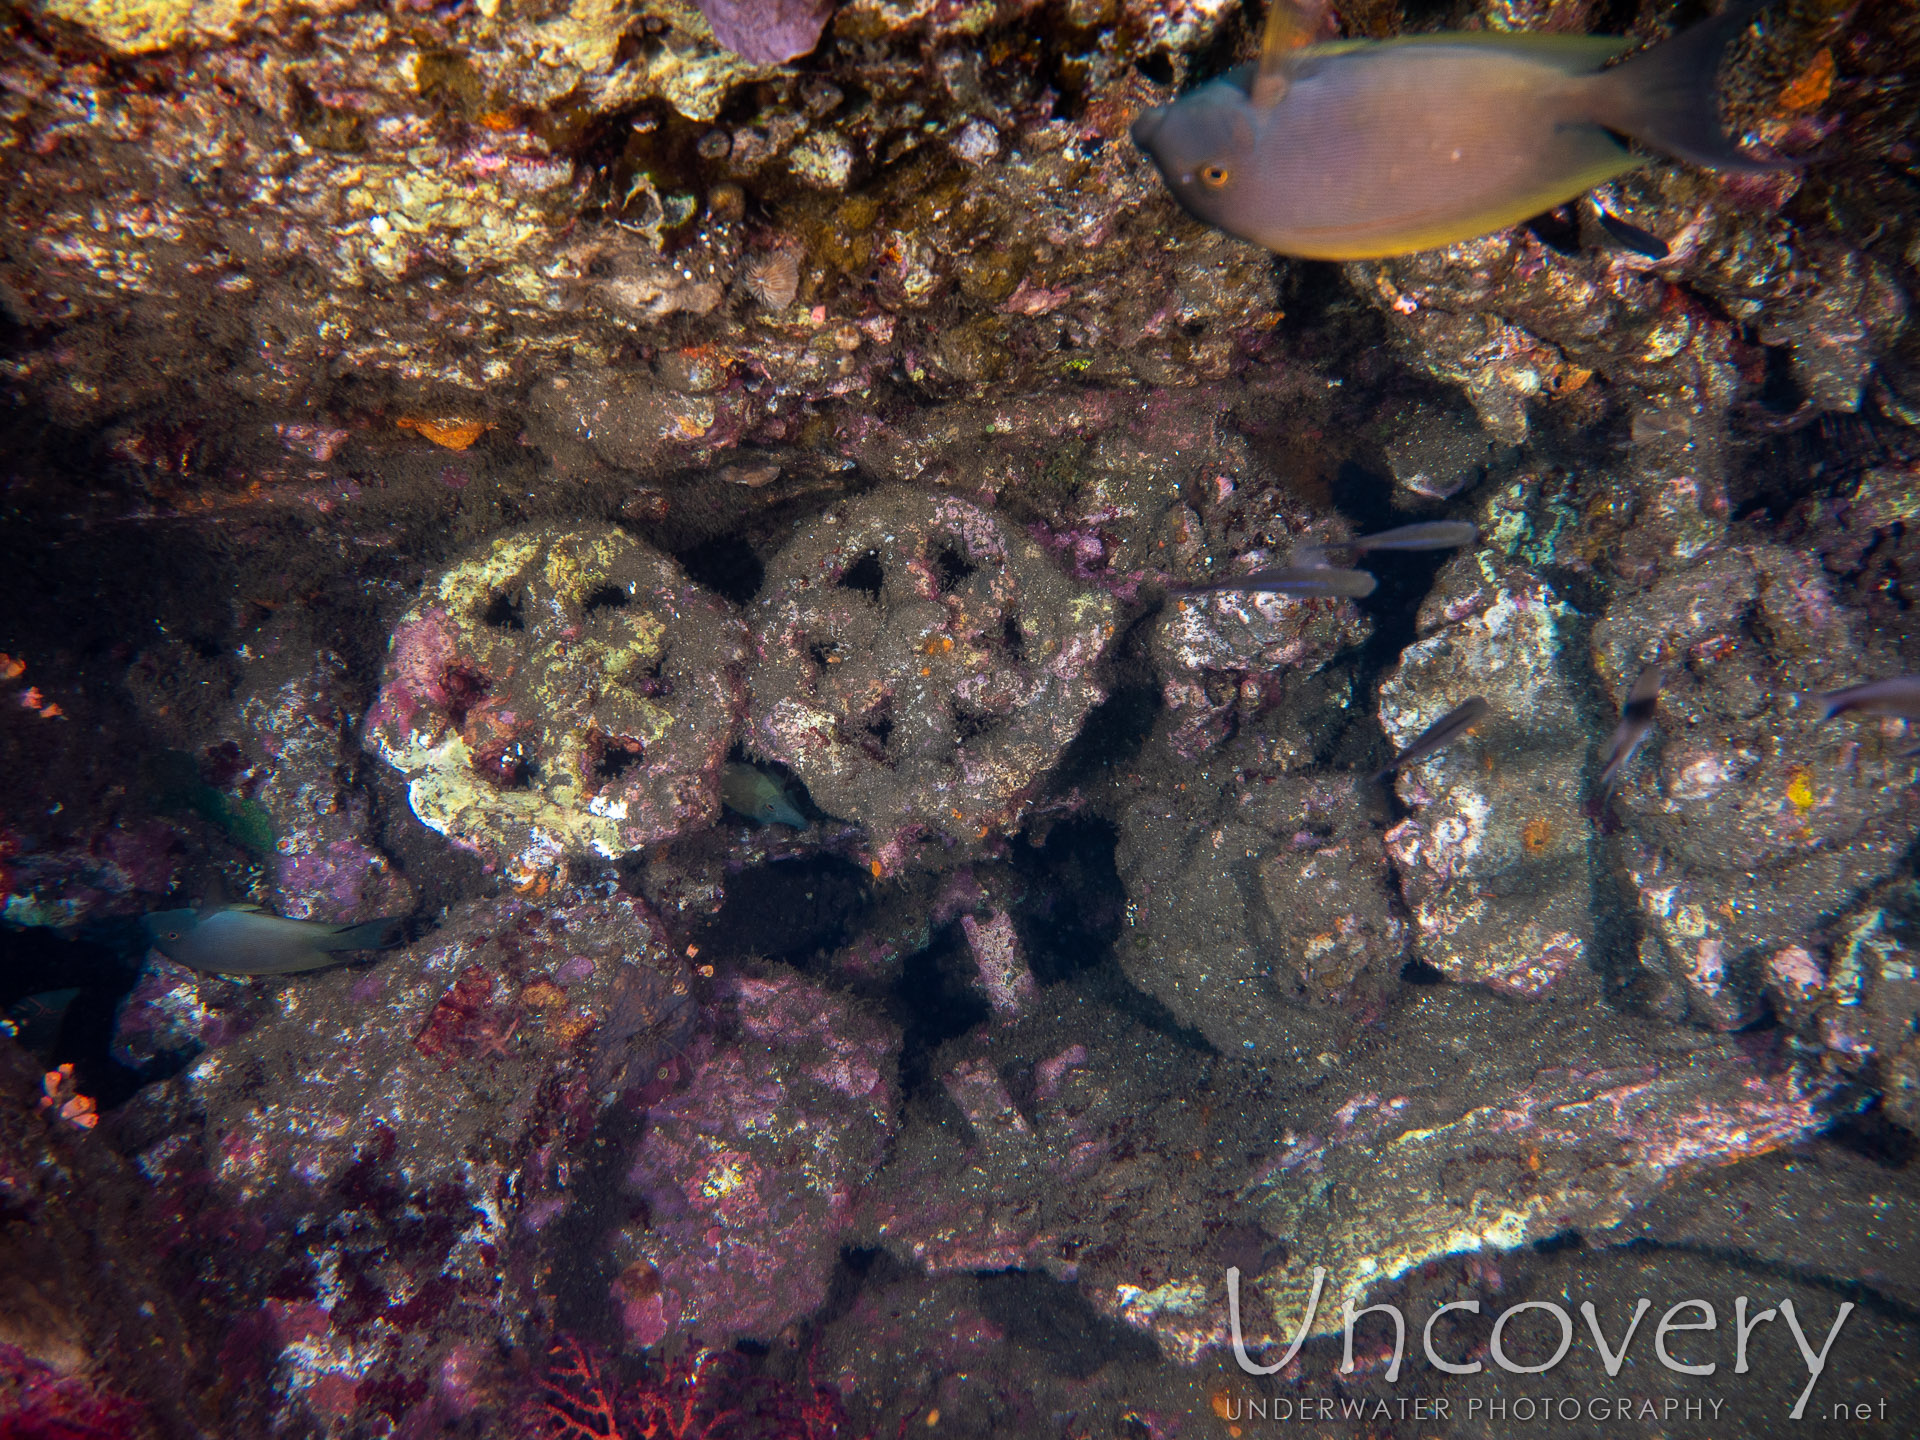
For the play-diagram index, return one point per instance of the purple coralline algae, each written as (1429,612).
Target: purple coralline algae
(751,1173)
(562,692)
(431,1098)
(297,753)
(767,32)
(919,665)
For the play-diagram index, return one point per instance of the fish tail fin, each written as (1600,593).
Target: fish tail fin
(1665,97)
(372,935)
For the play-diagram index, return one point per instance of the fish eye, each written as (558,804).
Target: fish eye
(1214,175)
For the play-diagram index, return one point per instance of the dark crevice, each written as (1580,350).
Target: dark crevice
(950,568)
(1557,229)
(793,911)
(612,756)
(600,1203)
(1013,637)
(1873,1136)
(651,681)
(1112,734)
(934,1001)
(876,729)
(77,1029)
(1156,67)
(1780,393)
(1054,1321)
(1073,904)
(503,611)
(865,575)
(606,597)
(1364,497)
(727,565)
(969,724)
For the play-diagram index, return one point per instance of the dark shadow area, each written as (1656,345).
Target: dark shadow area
(600,1202)
(950,567)
(1053,1319)
(1364,497)
(503,612)
(788,910)
(1156,67)
(1112,734)
(606,597)
(1860,1292)
(934,1001)
(1073,902)
(38,966)
(1418,972)
(1871,1135)
(728,566)
(1559,1242)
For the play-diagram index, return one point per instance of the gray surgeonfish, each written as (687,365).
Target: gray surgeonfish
(1437,736)
(1357,149)
(1636,723)
(246,940)
(1303,580)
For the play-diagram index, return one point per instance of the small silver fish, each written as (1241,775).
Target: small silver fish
(1630,236)
(1636,722)
(245,940)
(1358,149)
(748,790)
(1437,736)
(1897,695)
(1289,579)
(1427,535)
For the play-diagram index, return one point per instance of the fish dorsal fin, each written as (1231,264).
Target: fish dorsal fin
(1291,25)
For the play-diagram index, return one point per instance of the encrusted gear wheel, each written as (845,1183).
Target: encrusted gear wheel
(919,664)
(562,691)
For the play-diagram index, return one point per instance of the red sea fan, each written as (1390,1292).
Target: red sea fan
(684,1399)
(767,32)
(575,1399)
